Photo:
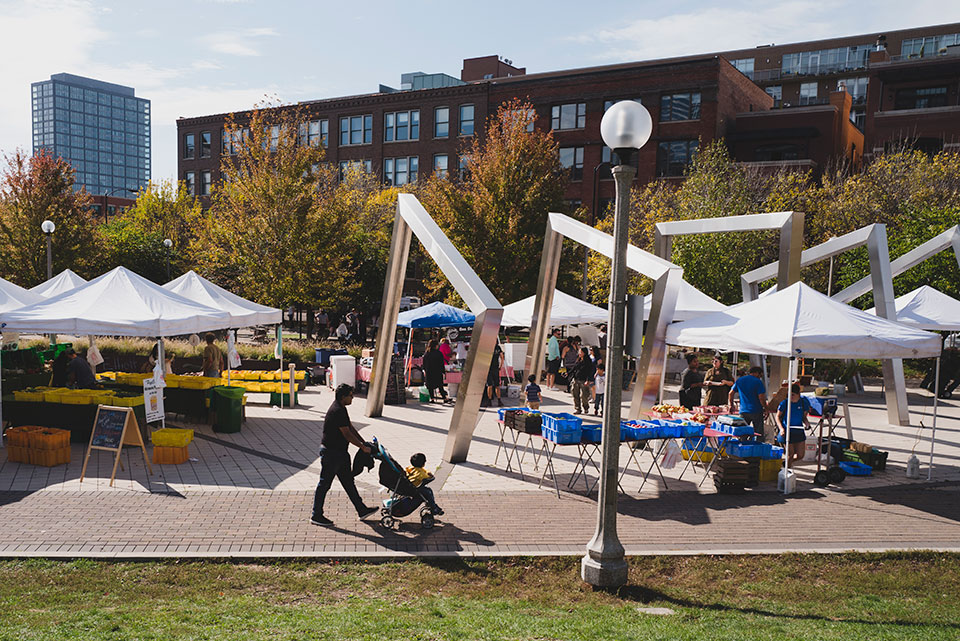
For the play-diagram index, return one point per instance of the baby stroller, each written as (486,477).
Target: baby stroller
(405,497)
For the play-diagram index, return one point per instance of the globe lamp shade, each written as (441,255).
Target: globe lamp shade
(47,226)
(626,125)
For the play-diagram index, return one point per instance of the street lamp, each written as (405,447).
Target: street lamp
(110,193)
(625,128)
(48,228)
(168,244)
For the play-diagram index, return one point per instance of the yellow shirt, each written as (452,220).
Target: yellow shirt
(417,475)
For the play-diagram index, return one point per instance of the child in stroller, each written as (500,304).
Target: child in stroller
(405,497)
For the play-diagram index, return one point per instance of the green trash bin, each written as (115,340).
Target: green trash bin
(276,400)
(226,403)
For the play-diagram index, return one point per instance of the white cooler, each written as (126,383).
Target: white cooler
(343,369)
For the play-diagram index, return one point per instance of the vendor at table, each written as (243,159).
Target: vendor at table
(718,382)
(79,372)
(799,408)
(753,398)
(691,383)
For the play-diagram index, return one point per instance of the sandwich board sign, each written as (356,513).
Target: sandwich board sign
(114,427)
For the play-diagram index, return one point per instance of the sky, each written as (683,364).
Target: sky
(198,57)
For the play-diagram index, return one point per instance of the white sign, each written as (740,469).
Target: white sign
(152,400)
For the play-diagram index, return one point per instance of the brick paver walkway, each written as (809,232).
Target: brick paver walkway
(249,495)
(262,523)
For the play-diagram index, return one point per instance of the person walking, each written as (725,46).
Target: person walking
(493,376)
(753,399)
(433,371)
(691,383)
(570,354)
(581,374)
(553,358)
(323,325)
(338,432)
(212,359)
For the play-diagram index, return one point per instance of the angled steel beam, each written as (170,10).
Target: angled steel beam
(666,277)
(790,225)
(412,219)
(874,236)
(942,241)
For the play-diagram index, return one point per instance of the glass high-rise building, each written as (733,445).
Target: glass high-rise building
(100,128)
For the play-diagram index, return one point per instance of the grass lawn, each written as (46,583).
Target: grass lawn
(895,596)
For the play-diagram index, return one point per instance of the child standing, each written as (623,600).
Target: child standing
(600,387)
(417,475)
(533,393)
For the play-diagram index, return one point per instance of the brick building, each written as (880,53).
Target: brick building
(802,105)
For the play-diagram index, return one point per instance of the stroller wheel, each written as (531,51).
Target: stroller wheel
(821,478)
(387,521)
(427,521)
(837,475)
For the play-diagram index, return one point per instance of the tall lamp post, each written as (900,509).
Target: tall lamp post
(625,128)
(48,228)
(111,193)
(167,243)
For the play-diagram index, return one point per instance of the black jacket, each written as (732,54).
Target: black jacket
(583,371)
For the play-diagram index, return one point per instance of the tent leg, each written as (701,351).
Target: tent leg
(280,355)
(162,362)
(933,432)
(786,438)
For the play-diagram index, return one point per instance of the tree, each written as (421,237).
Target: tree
(162,210)
(496,214)
(266,234)
(34,189)
(128,244)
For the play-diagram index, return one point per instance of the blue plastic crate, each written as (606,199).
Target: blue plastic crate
(501,412)
(856,469)
(691,430)
(776,452)
(637,431)
(563,422)
(668,431)
(562,438)
(591,433)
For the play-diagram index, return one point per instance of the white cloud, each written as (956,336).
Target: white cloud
(239,42)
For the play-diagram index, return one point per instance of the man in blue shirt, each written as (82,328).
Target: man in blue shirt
(753,399)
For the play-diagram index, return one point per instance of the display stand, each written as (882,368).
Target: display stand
(114,427)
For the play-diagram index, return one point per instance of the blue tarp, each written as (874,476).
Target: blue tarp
(435,315)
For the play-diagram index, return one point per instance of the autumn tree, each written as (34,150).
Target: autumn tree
(34,189)
(266,234)
(496,214)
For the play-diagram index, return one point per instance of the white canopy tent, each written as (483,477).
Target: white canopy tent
(243,313)
(62,282)
(566,310)
(927,308)
(800,321)
(691,303)
(14,297)
(119,303)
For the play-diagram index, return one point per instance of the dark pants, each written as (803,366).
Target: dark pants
(598,403)
(335,464)
(755,419)
(427,494)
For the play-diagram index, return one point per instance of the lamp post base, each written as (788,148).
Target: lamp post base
(603,573)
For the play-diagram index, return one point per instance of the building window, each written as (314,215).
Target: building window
(856,87)
(346,166)
(680,106)
(744,66)
(466,120)
(401,125)
(274,137)
(929,46)
(808,93)
(776,152)
(572,158)
(356,130)
(189,145)
(206,182)
(921,98)
(205,140)
(569,116)
(825,60)
(775,92)
(190,179)
(440,162)
(441,122)
(463,167)
(400,171)
(315,133)
(674,156)
(232,142)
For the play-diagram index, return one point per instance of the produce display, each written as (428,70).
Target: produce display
(666,410)
(67,396)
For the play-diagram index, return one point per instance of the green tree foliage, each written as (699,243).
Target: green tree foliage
(34,189)
(129,244)
(496,215)
(266,234)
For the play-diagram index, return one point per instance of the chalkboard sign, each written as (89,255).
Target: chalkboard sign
(108,430)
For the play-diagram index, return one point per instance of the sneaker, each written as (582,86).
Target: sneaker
(576,411)
(321,520)
(367,511)
(436,511)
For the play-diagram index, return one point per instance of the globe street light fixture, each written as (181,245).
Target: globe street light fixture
(168,244)
(48,228)
(625,127)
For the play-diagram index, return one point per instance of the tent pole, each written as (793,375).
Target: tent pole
(786,438)
(933,427)
(280,355)
(228,362)
(2,442)
(162,361)
(409,355)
